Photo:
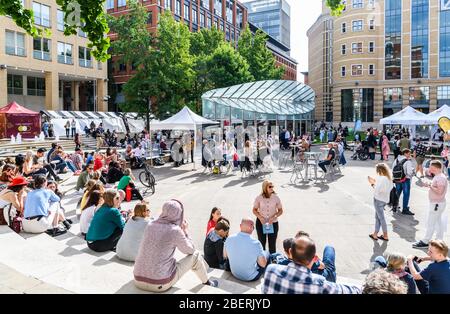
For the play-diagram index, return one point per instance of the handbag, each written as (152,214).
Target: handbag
(15,223)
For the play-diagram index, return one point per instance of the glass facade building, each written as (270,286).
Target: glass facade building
(272,16)
(419,38)
(393,39)
(286,104)
(357,104)
(444,39)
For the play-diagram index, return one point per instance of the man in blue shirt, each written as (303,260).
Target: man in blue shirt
(297,277)
(437,274)
(245,255)
(39,213)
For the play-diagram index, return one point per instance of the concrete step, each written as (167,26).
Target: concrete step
(66,262)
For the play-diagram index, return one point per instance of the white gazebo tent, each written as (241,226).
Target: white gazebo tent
(407,117)
(434,116)
(185,119)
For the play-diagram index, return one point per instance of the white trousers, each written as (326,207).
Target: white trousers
(45,223)
(437,222)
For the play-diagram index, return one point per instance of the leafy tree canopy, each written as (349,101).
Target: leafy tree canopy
(88,15)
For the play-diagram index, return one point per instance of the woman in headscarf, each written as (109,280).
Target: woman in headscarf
(155,268)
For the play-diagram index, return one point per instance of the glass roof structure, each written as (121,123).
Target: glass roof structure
(266,97)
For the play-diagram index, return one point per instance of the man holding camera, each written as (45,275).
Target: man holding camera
(436,196)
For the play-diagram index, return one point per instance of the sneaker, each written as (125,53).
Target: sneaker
(213,283)
(419,245)
(407,212)
(66,224)
(55,232)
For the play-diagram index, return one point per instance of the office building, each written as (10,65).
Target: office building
(55,73)
(378,57)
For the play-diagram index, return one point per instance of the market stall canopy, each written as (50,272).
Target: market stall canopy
(110,120)
(185,119)
(16,119)
(434,116)
(407,116)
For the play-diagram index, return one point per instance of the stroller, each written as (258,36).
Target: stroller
(361,151)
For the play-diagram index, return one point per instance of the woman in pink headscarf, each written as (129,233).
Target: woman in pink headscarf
(386,150)
(155,268)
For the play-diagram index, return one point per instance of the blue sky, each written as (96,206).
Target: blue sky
(303,14)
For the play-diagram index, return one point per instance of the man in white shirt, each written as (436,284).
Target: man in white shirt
(405,185)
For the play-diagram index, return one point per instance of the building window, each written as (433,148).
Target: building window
(227,34)
(443,96)
(218,7)
(371,25)
(357,4)
(122,67)
(371,69)
(150,18)
(444,42)
(419,38)
(35,86)
(371,4)
(343,49)
(393,40)
(178,7)
(357,70)
(15,84)
(210,22)
(15,43)
(357,47)
(41,14)
(343,70)
(204,4)
(344,27)
(168,4)
(229,11)
(121,3)
(41,49)
(110,4)
(81,33)
(357,104)
(65,53)
(99,65)
(202,19)
(84,57)
(357,26)
(392,100)
(194,15)
(419,98)
(344,3)
(60,20)
(186,11)
(371,46)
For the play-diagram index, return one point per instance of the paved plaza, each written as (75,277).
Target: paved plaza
(338,213)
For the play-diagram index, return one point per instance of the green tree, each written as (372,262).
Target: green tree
(336,6)
(88,15)
(226,67)
(203,45)
(133,46)
(262,62)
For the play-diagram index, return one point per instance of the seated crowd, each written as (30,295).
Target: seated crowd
(151,243)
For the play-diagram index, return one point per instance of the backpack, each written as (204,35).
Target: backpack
(393,198)
(398,172)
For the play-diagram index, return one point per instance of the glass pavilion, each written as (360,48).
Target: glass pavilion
(285,104)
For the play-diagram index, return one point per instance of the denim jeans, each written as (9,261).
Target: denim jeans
(404,187)
(324,163)
(380,220)
(329,260)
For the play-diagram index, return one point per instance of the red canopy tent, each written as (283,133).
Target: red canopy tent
(16,119)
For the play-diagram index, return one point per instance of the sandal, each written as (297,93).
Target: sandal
(383,238)
(371,236)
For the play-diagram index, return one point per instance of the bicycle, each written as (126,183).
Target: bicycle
(147,179)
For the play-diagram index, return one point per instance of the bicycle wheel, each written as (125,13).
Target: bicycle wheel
(148,180)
